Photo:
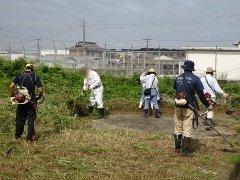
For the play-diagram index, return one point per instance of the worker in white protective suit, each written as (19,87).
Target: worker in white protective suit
(143,83)
(211,91)
(93,82)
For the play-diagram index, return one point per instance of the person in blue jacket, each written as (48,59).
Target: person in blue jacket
(186,86)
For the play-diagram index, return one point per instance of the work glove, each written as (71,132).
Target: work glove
(91,87)
(38,97)
(211,108)
(226,96)
(85,88)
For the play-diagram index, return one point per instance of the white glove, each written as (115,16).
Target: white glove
(85,88)
(91,87)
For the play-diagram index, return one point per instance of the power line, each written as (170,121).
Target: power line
(17,42)
(203,41)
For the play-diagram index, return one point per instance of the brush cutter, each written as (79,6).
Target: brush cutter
(230,111)
(204,119)
(39,101)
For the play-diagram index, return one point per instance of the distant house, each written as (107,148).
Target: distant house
(87,49)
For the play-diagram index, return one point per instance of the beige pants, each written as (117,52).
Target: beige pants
(183,121)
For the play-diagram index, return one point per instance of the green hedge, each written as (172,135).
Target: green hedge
(69,83)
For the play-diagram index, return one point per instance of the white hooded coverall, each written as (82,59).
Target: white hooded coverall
(93,82)
(212,87)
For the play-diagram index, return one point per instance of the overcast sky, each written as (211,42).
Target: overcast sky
(119,23)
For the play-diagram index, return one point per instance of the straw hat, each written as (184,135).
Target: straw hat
(151,70)
(210,70)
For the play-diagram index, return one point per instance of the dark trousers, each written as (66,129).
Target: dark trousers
(25,112)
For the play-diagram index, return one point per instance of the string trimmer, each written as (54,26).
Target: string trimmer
(209,124)
(39,101)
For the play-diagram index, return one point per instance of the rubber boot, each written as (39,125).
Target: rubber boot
(178,143)
(90,109)
(101,113)
(185,151)
(209,121)
(157,113)
(145,113)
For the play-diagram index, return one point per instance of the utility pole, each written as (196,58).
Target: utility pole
(38,49)
(55,53)
(159,60)
(104,58)
(84,36)
(24,52)
(216,60)
(9,51)
(65,48)
(147,41)
(132,61)
(84,31)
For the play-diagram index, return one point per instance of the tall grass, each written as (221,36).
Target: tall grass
(70,148)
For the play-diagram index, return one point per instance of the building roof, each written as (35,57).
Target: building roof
(211,49)
(164,58)
(88,46)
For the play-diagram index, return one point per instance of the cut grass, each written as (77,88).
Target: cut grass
(73,148)
(106,153)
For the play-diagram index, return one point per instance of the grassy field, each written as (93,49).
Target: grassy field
(75,148)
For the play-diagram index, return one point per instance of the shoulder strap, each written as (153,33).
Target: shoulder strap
(24,77)
(190,95)
(21,82)
(185,84)
(153,81)
(209,85)
(35,79)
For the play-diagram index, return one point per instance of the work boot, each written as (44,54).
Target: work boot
(208,127)
(185,151)
(157,113)
(145,113)
(178,143)
(90,109)
(101,113)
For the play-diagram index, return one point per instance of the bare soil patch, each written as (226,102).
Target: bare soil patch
(165,124)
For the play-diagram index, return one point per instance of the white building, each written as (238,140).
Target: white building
(52,52)
(226,61)
(14,56)
(11,55)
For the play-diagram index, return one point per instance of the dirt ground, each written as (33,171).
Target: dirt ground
(223,123)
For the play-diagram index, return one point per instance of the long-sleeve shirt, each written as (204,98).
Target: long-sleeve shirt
(150,80)
(211,86)
(92,81)
(190,85)
(142,80)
